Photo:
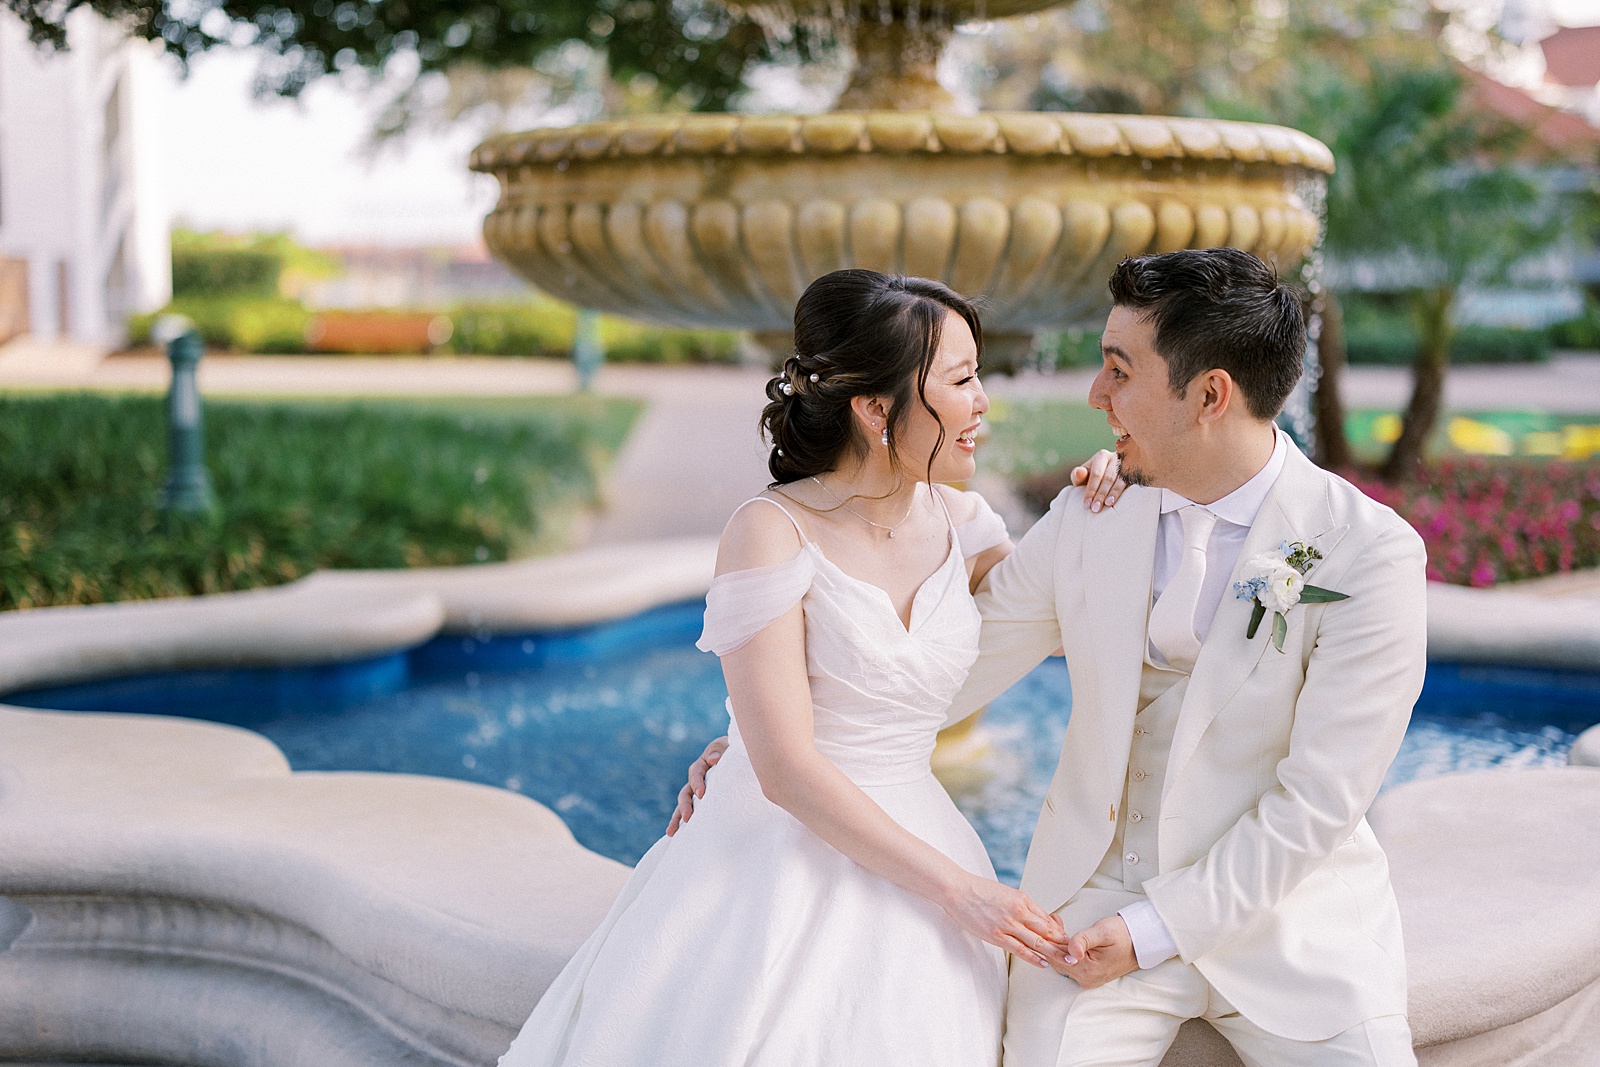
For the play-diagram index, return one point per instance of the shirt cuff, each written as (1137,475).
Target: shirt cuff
(1152,941)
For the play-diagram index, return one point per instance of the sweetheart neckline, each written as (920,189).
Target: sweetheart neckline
(907,628)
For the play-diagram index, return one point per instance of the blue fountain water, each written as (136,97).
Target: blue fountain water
(599,724)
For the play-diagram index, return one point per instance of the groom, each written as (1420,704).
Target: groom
(1205,831)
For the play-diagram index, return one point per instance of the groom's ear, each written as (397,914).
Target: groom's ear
(1216,393)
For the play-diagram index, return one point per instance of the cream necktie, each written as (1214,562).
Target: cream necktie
(1172,617)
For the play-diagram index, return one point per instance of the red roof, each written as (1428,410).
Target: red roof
(1572,56)
(1561,133)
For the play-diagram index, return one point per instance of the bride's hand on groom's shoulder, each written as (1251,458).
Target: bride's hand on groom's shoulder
(1099,479)
(696,786)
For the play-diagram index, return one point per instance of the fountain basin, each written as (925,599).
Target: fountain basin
(722,220)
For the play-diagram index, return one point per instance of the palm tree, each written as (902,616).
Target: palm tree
(1428,199)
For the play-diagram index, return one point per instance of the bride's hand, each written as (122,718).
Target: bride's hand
(697,783)
(1100,481)
(1009,919)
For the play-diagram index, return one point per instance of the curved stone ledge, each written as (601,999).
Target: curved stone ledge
(1500,897)
(1514,626)
(180,981)
(1500,900)
(1586,749)
(172,890)
(346,615)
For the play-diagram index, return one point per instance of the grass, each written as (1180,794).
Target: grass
(302,484)
(1035,436)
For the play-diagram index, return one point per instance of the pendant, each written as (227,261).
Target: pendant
(891,533)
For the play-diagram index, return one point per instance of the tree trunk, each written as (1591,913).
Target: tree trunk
(1432,308)
(1333,447)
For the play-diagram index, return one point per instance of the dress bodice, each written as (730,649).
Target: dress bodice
(879,689)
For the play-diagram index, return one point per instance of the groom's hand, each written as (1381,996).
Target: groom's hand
(697,783)
(1104,953)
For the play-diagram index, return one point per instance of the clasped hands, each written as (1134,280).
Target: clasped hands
(985,908)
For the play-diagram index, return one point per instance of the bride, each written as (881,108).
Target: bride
(828,905)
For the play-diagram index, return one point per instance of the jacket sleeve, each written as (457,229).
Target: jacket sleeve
(1018,602)
(1362,679)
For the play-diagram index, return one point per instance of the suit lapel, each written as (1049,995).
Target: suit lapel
(1296,509)
(1119,549)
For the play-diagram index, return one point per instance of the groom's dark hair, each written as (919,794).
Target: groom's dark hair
(1219,308)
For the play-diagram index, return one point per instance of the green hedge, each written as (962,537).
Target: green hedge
(536,327)
(1396,345)
(239,324)
(1379,331)
(1581,332)
(208,273)
(409,487)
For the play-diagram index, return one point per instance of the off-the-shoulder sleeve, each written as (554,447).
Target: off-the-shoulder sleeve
(983,531)
(740,604)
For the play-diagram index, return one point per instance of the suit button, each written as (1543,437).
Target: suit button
(1131,859)
(1139,776)
(1138,731)
(1136,816)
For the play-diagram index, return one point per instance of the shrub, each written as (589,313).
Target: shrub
(237,324)
(538,327)
(542,327)
(628,342)
(208,273)
(1396,345)
(1581,332)
(1495,520)
(1379,332)
(533,328)
(301,487)
(1483,520)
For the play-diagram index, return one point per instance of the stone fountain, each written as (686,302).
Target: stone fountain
(722,220)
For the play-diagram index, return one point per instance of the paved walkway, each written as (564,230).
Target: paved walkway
(695,453)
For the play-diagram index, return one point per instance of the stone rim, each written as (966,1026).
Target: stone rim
(1025,133)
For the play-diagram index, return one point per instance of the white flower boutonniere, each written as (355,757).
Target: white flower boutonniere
(1279,584)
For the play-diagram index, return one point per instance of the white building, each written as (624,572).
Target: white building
(84,219)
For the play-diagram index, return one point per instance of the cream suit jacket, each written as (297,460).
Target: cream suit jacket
(1270,879)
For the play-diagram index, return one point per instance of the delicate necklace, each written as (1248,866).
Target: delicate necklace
(863,518)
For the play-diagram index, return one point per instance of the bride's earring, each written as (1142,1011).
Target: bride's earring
(886,437)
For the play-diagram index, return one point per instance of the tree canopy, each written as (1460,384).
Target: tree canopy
(696,51)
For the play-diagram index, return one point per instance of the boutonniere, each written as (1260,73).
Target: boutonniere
(1279,584)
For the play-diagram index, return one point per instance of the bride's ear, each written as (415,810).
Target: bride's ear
(871,413)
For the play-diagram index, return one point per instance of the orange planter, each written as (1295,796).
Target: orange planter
(377,332)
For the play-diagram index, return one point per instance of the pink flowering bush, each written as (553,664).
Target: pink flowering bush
(1485,520)
(1490,520)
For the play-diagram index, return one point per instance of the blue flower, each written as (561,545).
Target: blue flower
(1250,588)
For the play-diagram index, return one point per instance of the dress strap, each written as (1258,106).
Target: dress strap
(768,500)
(949,520)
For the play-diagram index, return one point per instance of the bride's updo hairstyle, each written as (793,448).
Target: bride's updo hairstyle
(856,333)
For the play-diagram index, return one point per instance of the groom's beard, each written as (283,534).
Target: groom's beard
(1134,476)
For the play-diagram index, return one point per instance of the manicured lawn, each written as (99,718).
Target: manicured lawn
(1033,436)
(302,484)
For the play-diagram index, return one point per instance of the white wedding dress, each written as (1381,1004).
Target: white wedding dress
(747,940)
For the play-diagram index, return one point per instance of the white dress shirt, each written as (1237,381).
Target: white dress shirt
(1236,513)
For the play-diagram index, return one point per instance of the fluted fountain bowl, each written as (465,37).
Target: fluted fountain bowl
(722,220)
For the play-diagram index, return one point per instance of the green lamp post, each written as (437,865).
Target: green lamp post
(588,351)
(188,489)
